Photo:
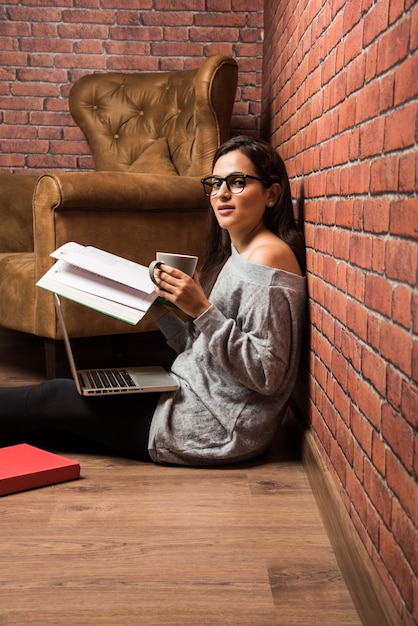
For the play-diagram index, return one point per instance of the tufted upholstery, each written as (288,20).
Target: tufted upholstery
(152,137)
(115,110)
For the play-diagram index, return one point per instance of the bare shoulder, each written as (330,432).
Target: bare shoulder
(276,254)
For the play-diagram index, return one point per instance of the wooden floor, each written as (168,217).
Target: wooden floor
(133,543)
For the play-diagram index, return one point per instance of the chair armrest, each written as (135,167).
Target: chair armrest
(110,191)
(16,232)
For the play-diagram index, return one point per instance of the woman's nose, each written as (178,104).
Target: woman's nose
(223,189)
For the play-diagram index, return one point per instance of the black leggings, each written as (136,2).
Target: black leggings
(120,422)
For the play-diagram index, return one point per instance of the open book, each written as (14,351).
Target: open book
(100,280)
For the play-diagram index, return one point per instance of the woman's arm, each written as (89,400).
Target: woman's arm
(256,350)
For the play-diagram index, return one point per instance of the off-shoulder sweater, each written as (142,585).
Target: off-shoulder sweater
(237,370)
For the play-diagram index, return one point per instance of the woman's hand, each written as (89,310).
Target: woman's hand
(182,290)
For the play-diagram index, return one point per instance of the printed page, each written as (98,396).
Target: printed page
(99,285)
(97,292)
(108,307)
(106,264)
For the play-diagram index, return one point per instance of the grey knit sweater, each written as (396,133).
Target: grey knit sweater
(236,374)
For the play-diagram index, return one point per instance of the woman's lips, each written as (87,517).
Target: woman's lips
(225,208)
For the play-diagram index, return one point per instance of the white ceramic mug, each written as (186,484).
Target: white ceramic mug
(184,262)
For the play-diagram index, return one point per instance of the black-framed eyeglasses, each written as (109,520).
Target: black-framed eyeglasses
(234,182)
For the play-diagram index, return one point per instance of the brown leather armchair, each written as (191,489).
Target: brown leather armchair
(152,137)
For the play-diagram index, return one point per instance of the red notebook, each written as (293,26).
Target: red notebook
(25,467)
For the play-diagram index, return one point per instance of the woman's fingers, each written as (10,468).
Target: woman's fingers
(170,277)
(182,290)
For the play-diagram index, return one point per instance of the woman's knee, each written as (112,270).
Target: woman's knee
(54,396)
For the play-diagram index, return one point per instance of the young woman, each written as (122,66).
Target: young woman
(237,356)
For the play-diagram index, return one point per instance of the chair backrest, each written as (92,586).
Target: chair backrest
(157,122)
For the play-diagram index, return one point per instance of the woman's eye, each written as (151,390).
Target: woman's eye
(238,182)
(216,184)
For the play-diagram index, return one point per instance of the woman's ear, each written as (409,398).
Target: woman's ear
(273,194)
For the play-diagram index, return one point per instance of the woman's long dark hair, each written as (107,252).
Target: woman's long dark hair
(278,218)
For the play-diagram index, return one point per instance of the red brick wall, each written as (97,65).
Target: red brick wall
(45,46)
(340,102)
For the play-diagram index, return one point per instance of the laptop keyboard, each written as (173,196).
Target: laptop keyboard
(107,379)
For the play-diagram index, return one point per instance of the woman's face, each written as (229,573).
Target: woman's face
(243,211)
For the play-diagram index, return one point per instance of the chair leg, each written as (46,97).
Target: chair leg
(50,358)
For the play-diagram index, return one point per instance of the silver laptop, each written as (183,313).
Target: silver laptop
(99,382)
